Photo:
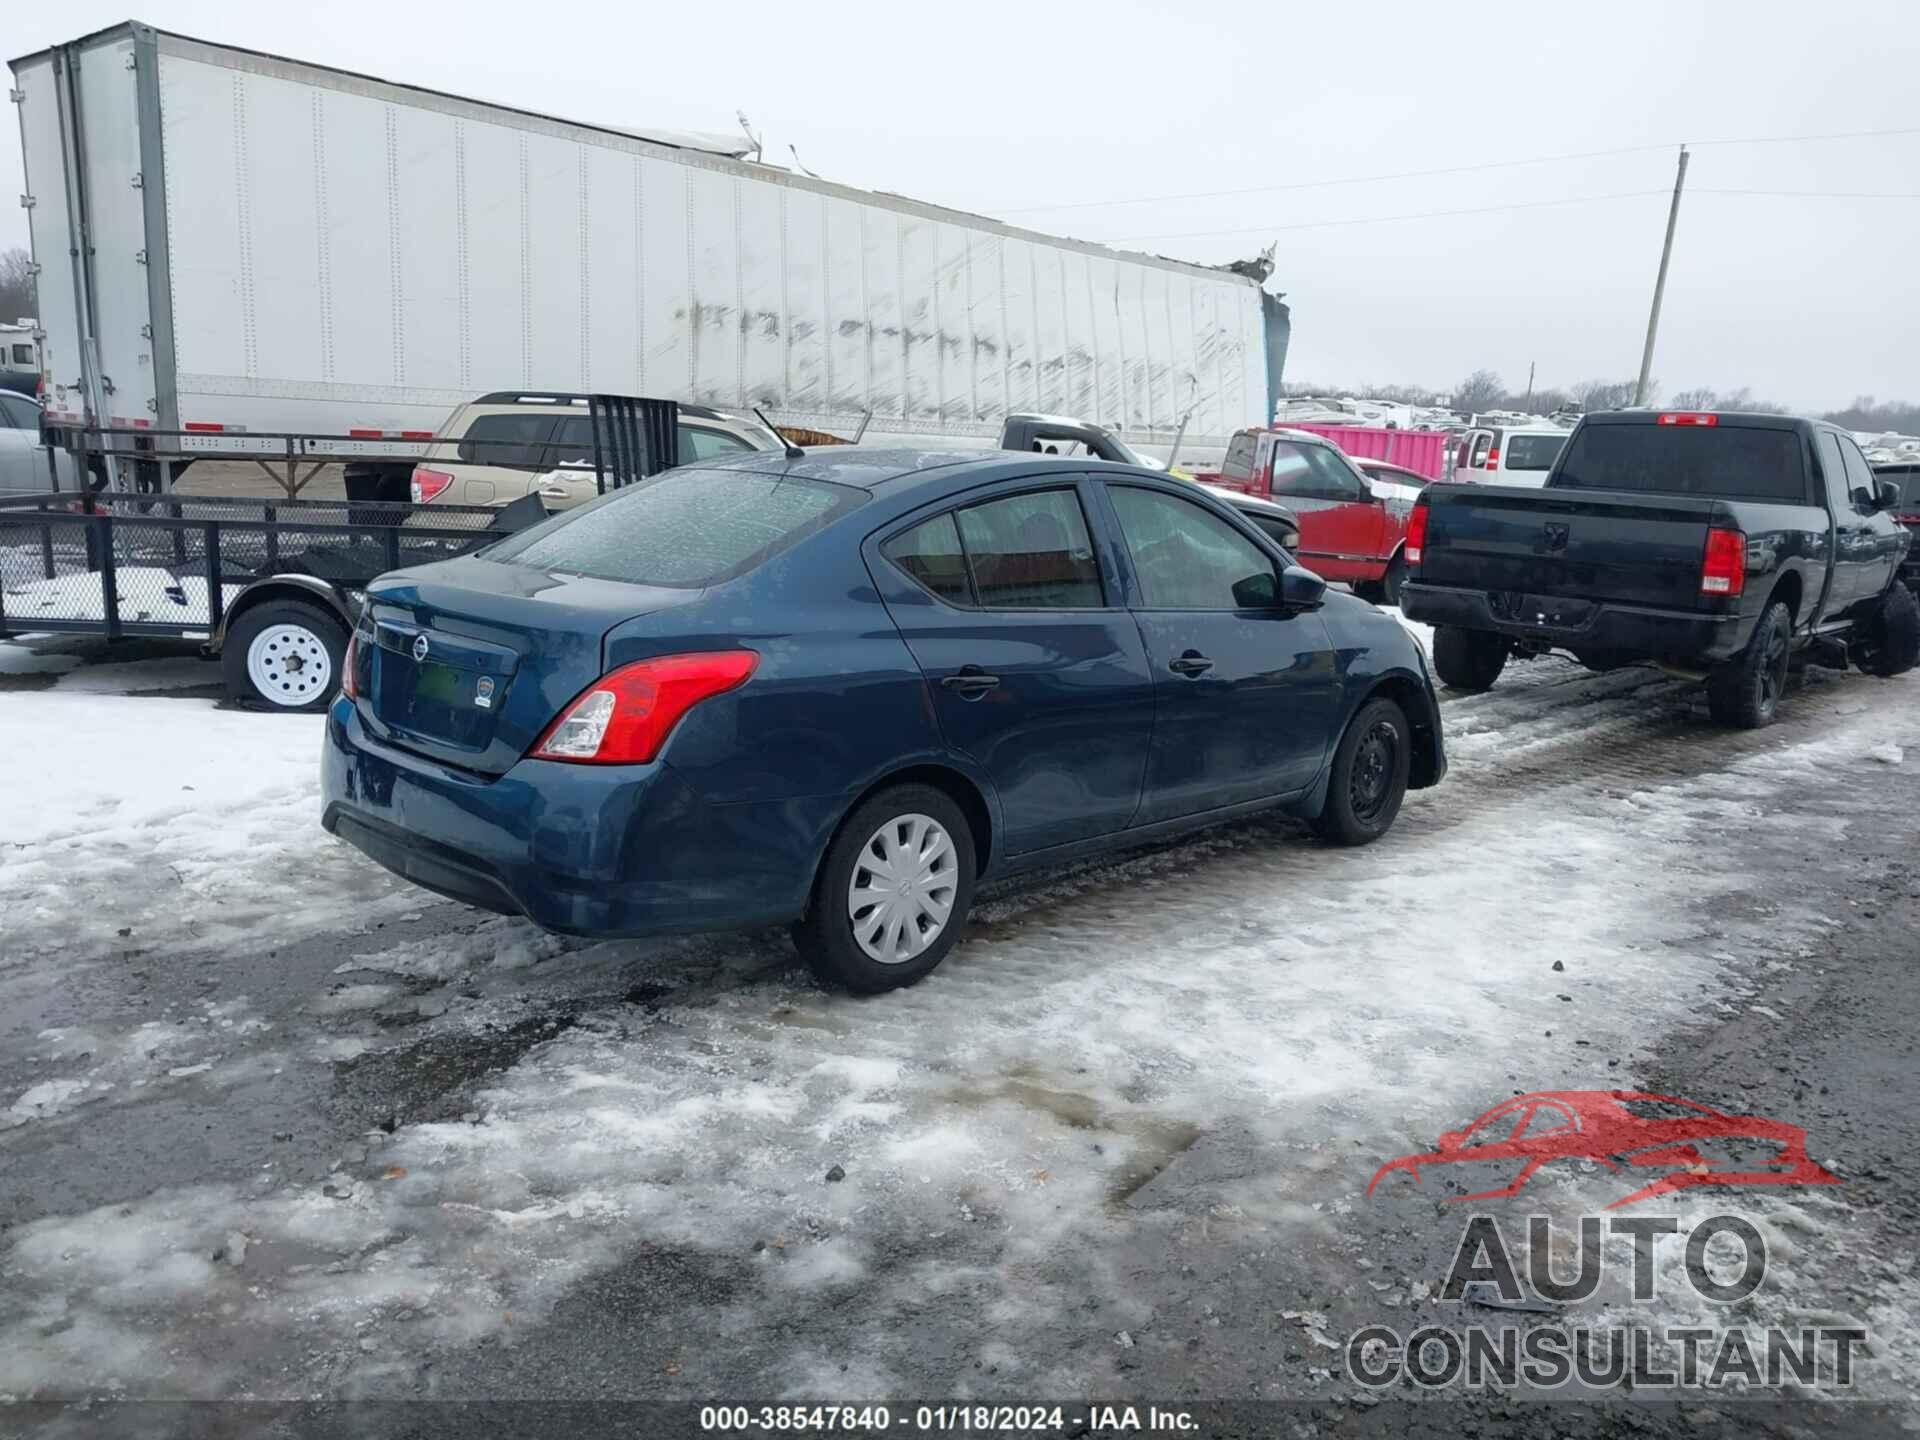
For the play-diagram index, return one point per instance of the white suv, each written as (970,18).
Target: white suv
(513,443)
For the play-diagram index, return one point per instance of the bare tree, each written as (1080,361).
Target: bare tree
(1608,394)
(1482,390)
(16,285)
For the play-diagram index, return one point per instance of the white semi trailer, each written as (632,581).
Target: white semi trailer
(230,243)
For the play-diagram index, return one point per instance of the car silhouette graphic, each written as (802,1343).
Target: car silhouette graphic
(1628,1132)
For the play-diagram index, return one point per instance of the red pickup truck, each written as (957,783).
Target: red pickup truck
(1352,526)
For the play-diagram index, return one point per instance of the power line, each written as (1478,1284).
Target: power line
(1324,184)
(1383,219)
(1821,194)
(1807,139)
(1495,209)
(1448,170)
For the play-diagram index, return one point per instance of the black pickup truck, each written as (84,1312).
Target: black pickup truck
(1716,544)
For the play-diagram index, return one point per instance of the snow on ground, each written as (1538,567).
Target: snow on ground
(994,1121)
(144,592)
(172,819)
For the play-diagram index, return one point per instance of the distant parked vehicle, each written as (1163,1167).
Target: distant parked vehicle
(1507,454)
(23,450)
(20,358)
(514,443)
(836,691)
(1716,543)
(1392,474)
(1352,527)
(1275,521)
(1904,475)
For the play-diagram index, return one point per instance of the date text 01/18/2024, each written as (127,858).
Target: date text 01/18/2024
(959,1418)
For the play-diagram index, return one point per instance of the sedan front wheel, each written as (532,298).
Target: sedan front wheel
(1369,777)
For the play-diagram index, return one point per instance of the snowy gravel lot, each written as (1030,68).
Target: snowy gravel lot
(274,1125)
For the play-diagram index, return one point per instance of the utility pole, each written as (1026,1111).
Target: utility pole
(1530,367)
(1660,283)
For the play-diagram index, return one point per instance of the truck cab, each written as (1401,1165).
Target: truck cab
(1353,527)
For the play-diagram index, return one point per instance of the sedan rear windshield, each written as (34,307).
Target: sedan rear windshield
(685,528)
(1727,461)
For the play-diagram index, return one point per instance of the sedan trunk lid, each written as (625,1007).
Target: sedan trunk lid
(467,661)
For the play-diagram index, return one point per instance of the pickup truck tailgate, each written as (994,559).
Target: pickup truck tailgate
(1610,545)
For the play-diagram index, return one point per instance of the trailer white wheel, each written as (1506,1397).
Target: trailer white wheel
(285,655)
(289,665)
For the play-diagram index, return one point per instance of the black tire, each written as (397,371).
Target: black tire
(1369,777)
(1468,659)
(1746,690)
(1890,640)
(324,634)
(826,936)
(1396,576)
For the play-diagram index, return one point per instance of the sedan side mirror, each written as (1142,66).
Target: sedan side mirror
(1301,589)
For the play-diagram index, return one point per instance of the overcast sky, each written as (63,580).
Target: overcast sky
(1009,108)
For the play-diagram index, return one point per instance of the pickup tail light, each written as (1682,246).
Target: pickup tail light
(347,687)
(1723,565)
(625,717)
(1691,417)
(428,484)
(1493,459)
(1416,533)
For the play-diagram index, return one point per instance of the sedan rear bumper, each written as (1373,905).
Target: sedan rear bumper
(600,851)
(1674,635)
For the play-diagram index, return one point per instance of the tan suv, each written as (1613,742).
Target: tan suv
(513,443)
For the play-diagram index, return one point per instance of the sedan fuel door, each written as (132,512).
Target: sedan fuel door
(1246,695)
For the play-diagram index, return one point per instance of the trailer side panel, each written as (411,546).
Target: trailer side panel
(348,254)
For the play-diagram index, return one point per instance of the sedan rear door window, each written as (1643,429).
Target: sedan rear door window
(930,552)
(1031,552)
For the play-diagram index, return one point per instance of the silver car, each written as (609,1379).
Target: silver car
(23,456)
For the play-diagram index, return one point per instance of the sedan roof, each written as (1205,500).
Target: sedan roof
(903,470)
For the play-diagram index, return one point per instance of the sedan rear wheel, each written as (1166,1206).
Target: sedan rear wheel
(892,893)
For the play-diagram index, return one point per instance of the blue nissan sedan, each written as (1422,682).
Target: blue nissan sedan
(839,690)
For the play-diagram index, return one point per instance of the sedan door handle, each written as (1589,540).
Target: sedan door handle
(971,682)
(1191,663)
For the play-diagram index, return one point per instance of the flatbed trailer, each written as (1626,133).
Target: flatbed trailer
(272,586)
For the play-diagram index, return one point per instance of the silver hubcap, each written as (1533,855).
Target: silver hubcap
(289,665)
(902,891)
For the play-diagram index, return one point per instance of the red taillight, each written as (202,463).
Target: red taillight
(1723,567)
(1416,533)
(347,687)
(427,484)
(625,716)
(1493,459)
(1690,418)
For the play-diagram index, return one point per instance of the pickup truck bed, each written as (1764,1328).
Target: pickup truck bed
(1714,544)
(1593,572)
